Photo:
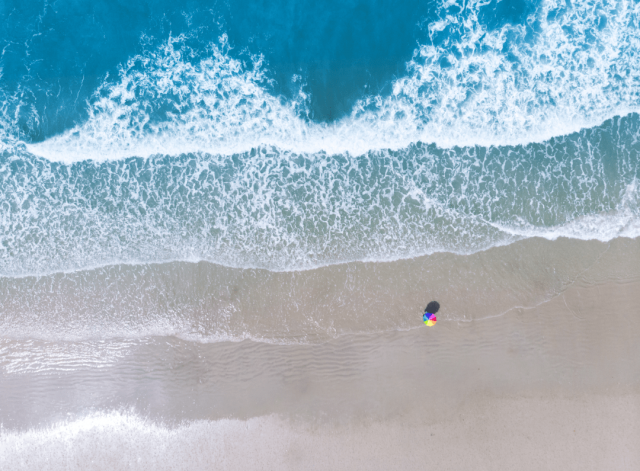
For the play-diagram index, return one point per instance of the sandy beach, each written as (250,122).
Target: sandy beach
(552,386)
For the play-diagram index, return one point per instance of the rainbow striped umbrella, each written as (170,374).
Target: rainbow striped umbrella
(429,319)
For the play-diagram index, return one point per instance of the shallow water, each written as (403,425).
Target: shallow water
(204,302)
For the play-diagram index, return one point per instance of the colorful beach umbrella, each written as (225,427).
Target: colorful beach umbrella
(429,319)
(429,316)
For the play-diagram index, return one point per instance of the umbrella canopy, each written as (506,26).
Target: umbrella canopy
(429,319)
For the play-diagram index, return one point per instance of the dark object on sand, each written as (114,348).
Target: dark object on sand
(432,307)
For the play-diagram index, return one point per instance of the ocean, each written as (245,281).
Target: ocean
(220,222)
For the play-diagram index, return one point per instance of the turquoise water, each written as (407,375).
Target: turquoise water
(288,135)
(282,210)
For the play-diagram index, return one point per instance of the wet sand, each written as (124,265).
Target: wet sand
(208,302)
(555,386)
(579,433)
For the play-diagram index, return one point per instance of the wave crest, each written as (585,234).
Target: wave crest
(566,67)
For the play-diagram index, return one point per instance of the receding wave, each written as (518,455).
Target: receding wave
(204,302)
(279,210)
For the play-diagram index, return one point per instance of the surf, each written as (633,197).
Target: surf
(557,69)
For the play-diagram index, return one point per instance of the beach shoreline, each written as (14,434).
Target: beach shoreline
(206,302)
(555,386)
(589,432)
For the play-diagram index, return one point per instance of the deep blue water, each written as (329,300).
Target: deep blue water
(291,134)
(341,49)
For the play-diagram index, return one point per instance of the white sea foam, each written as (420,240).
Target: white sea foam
(281,211)
(624,221)
(126,441)
(562,70)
